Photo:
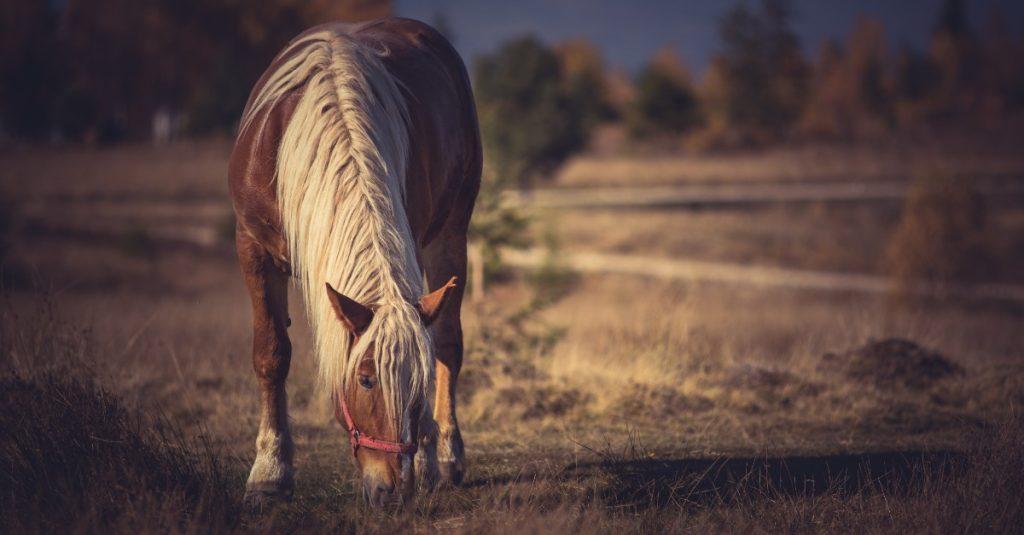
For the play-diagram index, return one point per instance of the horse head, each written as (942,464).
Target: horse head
(383,400)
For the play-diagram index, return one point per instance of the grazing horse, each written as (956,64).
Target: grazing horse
(355,170)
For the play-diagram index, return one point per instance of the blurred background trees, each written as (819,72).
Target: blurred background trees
(30,68)
(585,81)
(665,102)
(760,76)
(850,95)
(96,70)
(536,106)
(533,112)
(107,70)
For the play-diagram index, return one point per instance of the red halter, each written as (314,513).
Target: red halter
(358,439)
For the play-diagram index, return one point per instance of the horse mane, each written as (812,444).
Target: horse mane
(340,184)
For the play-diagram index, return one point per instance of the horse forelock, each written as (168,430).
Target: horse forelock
(396,334)
(340,185)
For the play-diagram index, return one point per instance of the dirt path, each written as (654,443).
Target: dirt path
(764,276)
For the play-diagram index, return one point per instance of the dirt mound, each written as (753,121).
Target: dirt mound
(659,402)
(892,363)
(534,401)
(755,377)
(755,388)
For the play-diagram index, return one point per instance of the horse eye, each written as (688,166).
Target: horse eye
(366,381)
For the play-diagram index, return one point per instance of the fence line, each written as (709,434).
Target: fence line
(696,195)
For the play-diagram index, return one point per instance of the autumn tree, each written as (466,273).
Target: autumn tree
(199,58)
(851,88)
(585,81)
(665,102)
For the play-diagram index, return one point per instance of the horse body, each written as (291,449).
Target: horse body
(357,164)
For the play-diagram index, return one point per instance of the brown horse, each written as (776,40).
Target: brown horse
(356,169)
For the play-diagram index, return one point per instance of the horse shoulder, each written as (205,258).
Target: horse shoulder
(251,171)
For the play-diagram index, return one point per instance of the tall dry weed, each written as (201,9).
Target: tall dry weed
(74,458)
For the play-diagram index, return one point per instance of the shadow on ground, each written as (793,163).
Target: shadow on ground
(643,484)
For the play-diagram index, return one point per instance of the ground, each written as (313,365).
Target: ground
(588,402)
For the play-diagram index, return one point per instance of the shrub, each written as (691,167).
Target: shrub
(941,236)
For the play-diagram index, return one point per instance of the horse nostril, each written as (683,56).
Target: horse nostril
(378,493)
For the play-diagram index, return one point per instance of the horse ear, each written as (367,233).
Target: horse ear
(353,315)
(430,305)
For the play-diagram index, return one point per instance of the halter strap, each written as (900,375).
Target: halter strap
(357,439)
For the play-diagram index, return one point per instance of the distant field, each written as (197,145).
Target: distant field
(843,238)
(589,403)
(886,160)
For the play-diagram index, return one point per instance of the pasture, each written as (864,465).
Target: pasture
(589,402)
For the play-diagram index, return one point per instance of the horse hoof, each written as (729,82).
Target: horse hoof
(427,479)
(261,500)
(451,473)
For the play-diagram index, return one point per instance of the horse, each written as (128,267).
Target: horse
(355,171)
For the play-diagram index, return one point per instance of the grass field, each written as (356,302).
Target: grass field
(588,403)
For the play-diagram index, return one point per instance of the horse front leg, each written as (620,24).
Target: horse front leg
(272,472)
(451,454)
(444,258)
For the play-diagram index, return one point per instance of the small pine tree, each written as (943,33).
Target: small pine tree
(761,72)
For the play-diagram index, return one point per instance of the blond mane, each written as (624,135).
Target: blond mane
(341,190)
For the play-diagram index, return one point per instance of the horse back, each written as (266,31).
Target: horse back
(445,155)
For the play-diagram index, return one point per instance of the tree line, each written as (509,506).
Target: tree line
(100,70)
(538,104)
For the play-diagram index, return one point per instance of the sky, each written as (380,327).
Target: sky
(628,32)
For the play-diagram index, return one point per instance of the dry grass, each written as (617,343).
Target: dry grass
(76,460)
(823,237)
(728,452)
(589,404)
(186,170)
(850,238)
(888,160)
